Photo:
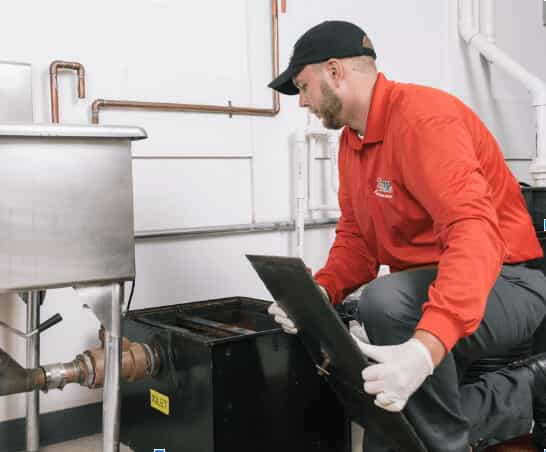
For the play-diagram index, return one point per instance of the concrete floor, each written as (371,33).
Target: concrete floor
(88,444)
(94,443)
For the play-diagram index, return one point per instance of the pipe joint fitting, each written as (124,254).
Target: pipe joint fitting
(89,373)
(58,375)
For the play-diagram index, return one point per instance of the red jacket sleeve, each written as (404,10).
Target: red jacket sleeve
(441,170)
(351,262)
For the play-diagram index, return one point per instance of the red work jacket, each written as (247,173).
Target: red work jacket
(427,185)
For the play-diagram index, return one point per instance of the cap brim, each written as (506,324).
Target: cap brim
(283,83)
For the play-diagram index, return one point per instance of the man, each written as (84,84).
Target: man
(424,188)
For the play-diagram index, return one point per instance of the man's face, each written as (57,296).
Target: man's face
(318,96)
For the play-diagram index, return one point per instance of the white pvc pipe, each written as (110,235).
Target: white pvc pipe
(534,85)
(252,186)
(473,38)
(300,189)
(541,132)
(304,141)
(333,143)
(467,27)
(538,167)
(487,20)
(311,140)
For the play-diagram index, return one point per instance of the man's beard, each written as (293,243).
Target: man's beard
(330,108)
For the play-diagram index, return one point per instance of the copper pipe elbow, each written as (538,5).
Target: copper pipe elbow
(53,70)
(95,107)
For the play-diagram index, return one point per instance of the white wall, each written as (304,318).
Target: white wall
(211,52)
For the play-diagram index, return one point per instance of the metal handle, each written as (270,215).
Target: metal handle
(44,326)
(50,322)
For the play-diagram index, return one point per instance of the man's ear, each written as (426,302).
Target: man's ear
(335,70)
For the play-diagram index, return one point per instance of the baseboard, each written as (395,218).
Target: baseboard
(55,427)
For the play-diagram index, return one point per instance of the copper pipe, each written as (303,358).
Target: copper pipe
(53,70)
(138,361)
(283,6)
(197,108)
(88,369)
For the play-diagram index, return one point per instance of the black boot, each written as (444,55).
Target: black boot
(537,365)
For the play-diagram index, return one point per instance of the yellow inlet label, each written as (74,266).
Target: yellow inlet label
(159,401)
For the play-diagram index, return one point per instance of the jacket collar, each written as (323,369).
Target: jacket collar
(377,115)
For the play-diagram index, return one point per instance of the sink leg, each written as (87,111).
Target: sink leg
(34,299)
(111,394)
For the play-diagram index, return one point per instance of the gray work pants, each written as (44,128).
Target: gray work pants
(446,415)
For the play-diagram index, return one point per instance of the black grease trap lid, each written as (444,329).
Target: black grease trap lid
(331,346)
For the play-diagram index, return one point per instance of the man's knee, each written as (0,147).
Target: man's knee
(377,309)
(390,307)
(374,302)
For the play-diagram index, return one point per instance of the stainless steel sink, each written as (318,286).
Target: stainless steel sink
(66,205)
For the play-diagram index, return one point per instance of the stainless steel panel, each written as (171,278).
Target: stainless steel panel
(15,92)
(66,211)
(71,131)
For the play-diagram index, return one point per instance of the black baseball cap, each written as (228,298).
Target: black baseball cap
(330,39)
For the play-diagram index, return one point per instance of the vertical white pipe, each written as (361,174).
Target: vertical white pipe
(311,146)
(300,189)
(467,27)
(252,178)
(487,19)
(541,133)
(333,143)
(538,168)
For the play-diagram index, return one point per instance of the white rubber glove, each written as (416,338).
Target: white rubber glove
(400,371)
(357,330)
(283,320)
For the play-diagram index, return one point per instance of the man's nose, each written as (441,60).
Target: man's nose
(303,100)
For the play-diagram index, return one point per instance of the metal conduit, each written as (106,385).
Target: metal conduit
(237,229)
(196,108)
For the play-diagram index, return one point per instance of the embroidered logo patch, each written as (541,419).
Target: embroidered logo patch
(383,188)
